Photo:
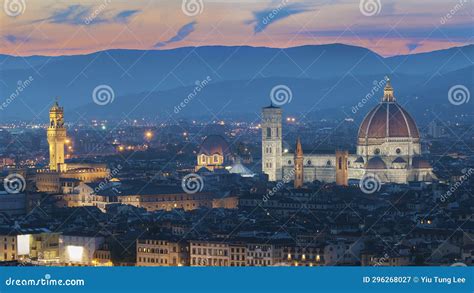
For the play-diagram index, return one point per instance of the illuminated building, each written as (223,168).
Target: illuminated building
(38,245)
(388,146)
(152,251)
(103,257)
(264,254)
(238,253)
(78,249)
(49,180)
(56,137)
(303,256)
(209,253)
(8,246)
(214,153)
(299,173)
(160,197)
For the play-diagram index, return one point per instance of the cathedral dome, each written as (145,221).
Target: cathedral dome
(388,120)
(215,144)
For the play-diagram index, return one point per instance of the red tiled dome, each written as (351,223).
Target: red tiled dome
(388,119)
(215,144)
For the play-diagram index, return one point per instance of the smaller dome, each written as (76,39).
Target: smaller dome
(420,163)
(215,144)
(240,169)
(399,160)
(376,163)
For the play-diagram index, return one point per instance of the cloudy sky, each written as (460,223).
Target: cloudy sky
(388,27)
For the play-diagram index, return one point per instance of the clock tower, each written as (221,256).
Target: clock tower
(56,138)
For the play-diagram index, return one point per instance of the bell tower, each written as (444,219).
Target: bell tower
(299,175)
(342,175)
(56,137)
(272,142)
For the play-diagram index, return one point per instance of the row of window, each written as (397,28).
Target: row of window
(209,251)
(156,260)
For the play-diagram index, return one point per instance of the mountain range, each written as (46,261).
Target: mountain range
(155,83)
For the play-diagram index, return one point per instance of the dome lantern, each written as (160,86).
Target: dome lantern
(388,92)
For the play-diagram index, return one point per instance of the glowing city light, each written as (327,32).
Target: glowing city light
(148,134)
(75,253)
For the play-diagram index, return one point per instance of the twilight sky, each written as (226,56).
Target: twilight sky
(388,27)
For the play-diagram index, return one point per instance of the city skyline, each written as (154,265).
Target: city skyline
(212,133)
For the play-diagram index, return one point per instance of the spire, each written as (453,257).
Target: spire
(299,172)
(299,149)
(56,103)
(388,92)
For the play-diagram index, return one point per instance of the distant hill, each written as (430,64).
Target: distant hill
(152,83)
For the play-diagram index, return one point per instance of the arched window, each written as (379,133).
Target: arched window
(269,132)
